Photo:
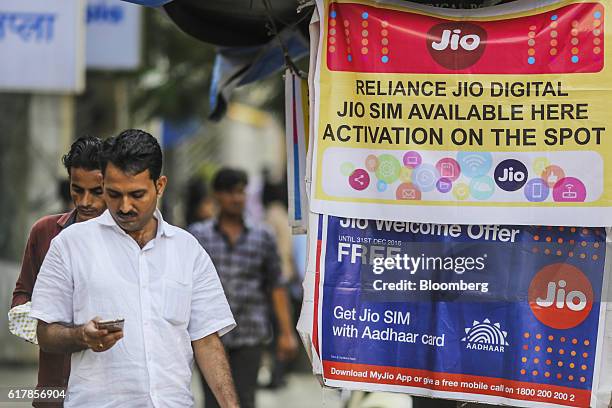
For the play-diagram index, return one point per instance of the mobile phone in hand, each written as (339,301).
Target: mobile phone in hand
(110,325)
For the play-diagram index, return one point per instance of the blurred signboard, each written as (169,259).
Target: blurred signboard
(149,3)
(113,35)
(42,45)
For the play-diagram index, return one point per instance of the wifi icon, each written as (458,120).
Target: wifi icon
(475,164)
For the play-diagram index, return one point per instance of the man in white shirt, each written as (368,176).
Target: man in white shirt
(129,263)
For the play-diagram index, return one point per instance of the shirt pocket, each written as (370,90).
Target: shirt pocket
(176,302)
(89,366)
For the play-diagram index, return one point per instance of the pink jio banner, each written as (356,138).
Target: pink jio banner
(370,39)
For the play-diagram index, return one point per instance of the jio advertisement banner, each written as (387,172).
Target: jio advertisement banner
(494,115)
(509,315)
(42,45)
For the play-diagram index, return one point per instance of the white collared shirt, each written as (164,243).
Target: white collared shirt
(168,292)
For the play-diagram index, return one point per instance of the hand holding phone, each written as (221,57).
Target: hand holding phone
(100,335)
(110,325)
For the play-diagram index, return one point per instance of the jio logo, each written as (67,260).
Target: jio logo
(560,296)
(456,45)
(511,175)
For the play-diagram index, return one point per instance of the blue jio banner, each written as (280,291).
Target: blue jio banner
(496,314)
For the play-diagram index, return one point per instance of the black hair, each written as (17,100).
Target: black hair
(274,191)
(133,151)
(84,153)
(63,189)
(227,178)
(196,192)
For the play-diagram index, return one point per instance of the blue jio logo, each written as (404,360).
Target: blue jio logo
(511,175)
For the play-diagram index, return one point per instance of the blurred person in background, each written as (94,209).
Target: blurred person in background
(82,163)
(152,279)
(275,202)
(249,267)
(274,199)
(199,205)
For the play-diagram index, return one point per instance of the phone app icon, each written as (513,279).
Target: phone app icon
(569,193)
(388,169)
(408,194)
(475,164)
(569,189)
(536,190)
(448,168)
(407,191)
(359,179)
(405,174)
(412,159)
(425,177)
(381,186)
(372,163)
(347,168)
(540,164)
(482,188)
(444,185)
(552,174)
(461,191)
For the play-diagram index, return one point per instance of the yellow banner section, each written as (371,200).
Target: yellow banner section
(495,115)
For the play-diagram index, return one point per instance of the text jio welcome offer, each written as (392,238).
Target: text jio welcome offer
(498,314)
(489,116)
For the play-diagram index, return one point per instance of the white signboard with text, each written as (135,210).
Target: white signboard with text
(42,45)
(113,35)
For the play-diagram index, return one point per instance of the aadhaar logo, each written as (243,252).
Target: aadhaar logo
(560,296)
(456,45)
(485,336)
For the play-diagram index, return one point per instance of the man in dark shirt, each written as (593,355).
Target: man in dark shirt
(248,264)
(83,166)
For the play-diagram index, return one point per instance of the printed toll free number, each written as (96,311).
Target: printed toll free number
(560,396)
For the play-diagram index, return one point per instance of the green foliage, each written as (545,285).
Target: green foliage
(175,78)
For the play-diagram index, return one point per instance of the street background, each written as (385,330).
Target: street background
(127,66)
